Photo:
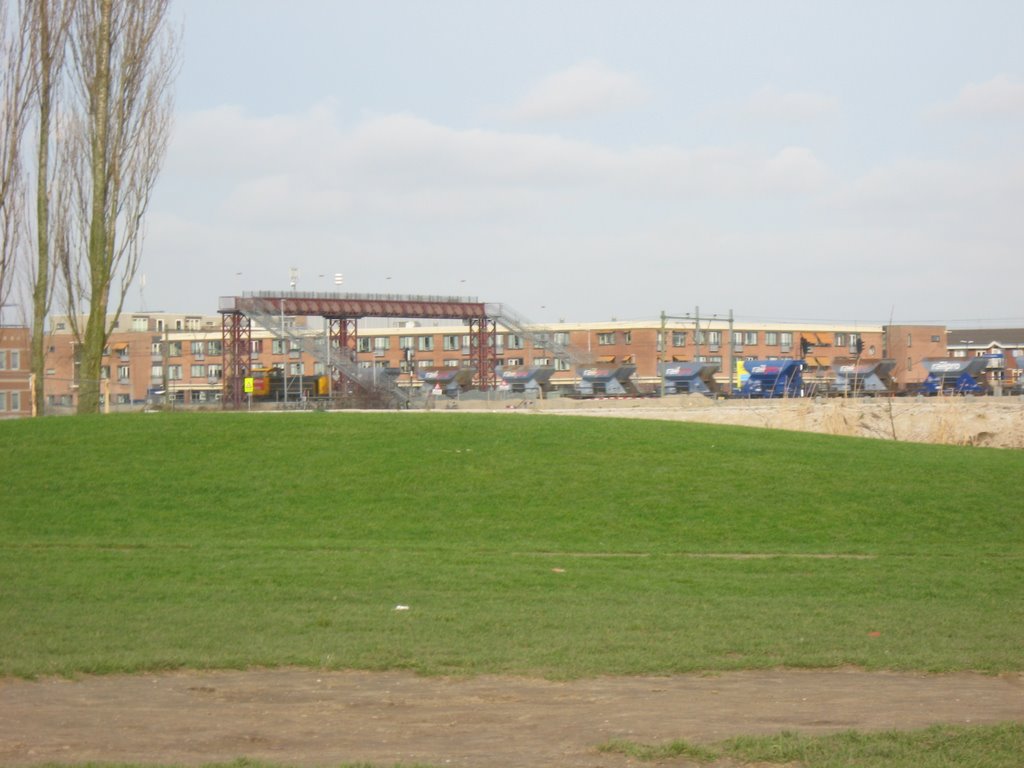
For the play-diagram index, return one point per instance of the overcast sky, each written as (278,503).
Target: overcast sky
(847,161)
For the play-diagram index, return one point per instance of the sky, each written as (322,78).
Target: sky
(582,161)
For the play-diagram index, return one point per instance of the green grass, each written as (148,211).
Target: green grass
(531,545)
(943,746)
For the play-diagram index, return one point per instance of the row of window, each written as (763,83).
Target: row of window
(10,402)
(463,342)
(10,359)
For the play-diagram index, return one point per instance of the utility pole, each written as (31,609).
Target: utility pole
(732,353)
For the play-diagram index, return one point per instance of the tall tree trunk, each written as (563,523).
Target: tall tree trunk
(94,337)
(41,289)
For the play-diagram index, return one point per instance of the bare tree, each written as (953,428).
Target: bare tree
(49,24)
(123,59)
(15,89)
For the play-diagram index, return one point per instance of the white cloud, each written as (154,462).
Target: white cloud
(585,89)
(305,170)
(771,104)
(1000,96)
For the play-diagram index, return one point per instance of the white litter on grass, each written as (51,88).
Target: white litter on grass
(401,607)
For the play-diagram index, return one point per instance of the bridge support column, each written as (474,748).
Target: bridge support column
(236,344)
(482,335)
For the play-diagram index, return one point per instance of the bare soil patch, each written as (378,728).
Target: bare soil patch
(308,717)
(996,422)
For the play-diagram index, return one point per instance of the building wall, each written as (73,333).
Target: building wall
(150,354)
(910,345)
(15,372)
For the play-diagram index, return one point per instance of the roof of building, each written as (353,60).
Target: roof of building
(986,337)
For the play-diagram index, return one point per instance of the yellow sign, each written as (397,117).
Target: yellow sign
(248,385)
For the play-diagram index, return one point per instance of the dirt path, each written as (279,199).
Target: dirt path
(305,717)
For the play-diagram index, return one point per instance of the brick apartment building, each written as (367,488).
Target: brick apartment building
(178,358)
(15,372)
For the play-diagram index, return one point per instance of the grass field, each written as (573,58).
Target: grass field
(546,546)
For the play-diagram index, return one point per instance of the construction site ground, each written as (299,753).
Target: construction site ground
(314,718)
(996,422)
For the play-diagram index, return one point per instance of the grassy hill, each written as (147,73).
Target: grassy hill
(519,544)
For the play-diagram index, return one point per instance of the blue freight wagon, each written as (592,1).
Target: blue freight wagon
(690,378)
(955,377)
(772,379)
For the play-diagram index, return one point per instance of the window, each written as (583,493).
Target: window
(214,347)
(561,338)
(424,363)
(627,337)
(514,341)
(512,362)
(771,338)
(104,372)
(363,344)
(124,373)
(425,343)
(786,341)
(540,341)
(215,372)
(174,348)
(193,323)
(678,338)
(910,340)
(405,342)
(156,349)
(140,323)
(195,347)
(936,340)
(714,339)
(296,369)
(256,346)
(198,372)
(561,365)
(542,361)
(449,363)
(750,337)
(737,338)
(156,372)
(450,343)
(3,359)
(3,401)
(604,339)
(174,372)
(381,343)
(279,347)
(122,399)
